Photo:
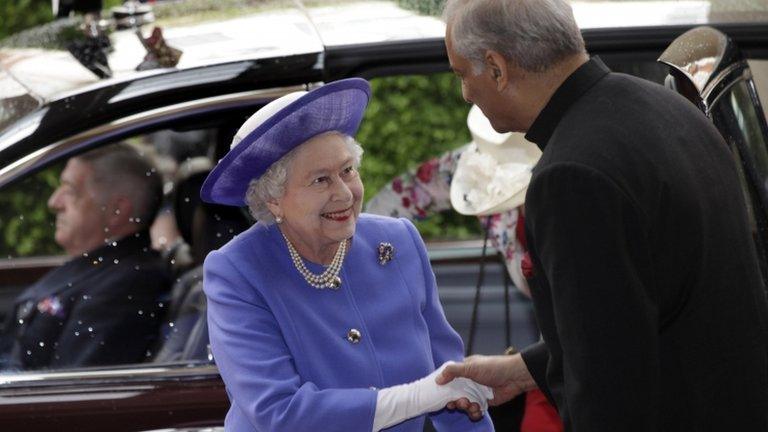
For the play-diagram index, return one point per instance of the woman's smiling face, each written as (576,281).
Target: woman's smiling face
(323,196)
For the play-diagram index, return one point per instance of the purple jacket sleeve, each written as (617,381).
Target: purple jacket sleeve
(445,342)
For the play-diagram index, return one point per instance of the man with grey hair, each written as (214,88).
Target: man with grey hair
(101,306)
(645,279)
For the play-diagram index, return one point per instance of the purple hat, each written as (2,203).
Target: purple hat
(279,127)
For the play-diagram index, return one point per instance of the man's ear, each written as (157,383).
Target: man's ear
(498,68)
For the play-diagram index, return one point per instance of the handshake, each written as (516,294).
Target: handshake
(469,386)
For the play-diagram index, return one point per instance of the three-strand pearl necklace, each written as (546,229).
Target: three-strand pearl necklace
(330,277)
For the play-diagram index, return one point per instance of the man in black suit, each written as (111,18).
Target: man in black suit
(103,305)
(645,280)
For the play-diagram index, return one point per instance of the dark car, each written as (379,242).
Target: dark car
(72,86)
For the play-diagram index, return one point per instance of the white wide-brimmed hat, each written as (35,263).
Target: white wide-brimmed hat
(493,173)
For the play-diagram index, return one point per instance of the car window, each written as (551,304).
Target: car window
(89,278)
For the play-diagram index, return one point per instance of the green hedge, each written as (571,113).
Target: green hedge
(411,119)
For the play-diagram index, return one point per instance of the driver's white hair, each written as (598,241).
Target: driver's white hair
(531,34)
(271,184)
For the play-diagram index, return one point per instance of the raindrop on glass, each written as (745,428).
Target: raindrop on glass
(41,344)
(90,329)
(77,333)
(116,261)
(141,312)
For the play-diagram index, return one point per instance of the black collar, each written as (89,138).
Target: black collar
(581,80)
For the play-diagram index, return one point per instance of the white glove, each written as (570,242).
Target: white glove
(402,402)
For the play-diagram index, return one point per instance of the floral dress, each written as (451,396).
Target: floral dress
(426,190)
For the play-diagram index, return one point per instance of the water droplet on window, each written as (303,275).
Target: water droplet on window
(41,344)
(95,262)
(77,333)
(101,343)
(103,208)
(173,261)
(186,199)
(130,219)
(135,267)
(218,234)
(116,261)
(138,220)
(141,312)
(117,211)
(160,304)
(29,352)
(90,329)
(101,259)
(148,173)
(79,322)
(130,297)
(152,314)
(21,321)
(231,231)
(114,243)
(69,284)
(85,254)
(170,324)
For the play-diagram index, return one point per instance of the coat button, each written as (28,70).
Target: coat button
(353,336)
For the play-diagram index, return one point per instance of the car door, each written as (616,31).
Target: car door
(707,67)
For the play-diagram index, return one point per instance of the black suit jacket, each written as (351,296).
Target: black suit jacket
(646,284)
(99,309)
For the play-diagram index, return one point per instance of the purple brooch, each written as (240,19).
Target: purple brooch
(386,252)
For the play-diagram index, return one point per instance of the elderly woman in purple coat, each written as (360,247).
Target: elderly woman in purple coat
(322,318)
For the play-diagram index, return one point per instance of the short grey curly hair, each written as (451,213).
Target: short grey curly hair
(532,34)
(271,184)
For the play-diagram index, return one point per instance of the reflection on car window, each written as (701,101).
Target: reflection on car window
(748,124)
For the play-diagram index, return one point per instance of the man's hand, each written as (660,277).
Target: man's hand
(507,376)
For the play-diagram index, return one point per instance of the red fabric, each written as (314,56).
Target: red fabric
(540,415)
(520,230)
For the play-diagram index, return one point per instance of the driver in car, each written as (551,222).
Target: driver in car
(103,305)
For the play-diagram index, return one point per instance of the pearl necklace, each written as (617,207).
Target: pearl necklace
(330,277)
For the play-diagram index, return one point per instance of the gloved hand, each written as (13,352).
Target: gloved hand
(402,402)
